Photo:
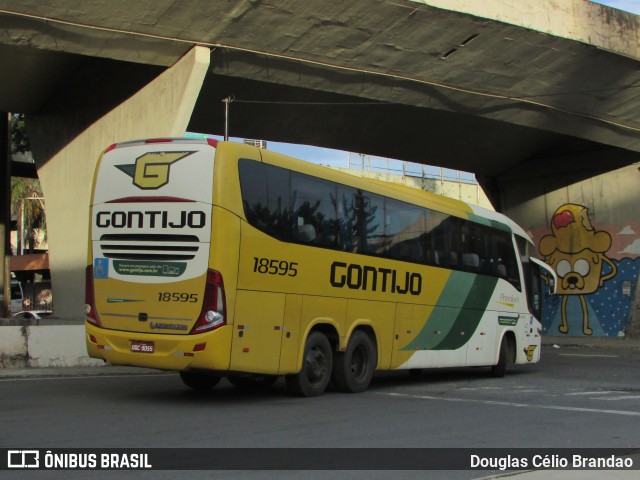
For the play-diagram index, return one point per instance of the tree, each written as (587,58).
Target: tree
(27,202)
(19,139)
(27,206)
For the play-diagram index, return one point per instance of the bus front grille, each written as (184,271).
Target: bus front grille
(145,246)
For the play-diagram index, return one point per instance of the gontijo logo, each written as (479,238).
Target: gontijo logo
(151,170)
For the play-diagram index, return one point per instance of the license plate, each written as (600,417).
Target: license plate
(140,346)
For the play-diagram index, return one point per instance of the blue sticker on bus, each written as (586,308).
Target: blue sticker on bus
(101,268)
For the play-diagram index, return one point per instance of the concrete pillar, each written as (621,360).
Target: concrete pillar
(160,109)
(633,329)
(5,215)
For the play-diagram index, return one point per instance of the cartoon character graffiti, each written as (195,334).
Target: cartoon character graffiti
(577,253)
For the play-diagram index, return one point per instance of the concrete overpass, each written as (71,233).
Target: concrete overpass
(533,97)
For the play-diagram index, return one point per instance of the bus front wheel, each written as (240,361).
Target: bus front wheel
(353,368)
(199,379)
(498,370)
(317,363)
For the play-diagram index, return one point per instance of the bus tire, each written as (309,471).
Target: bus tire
(353,368)
(252,382)
(200,380)
(317,362)
(498,370)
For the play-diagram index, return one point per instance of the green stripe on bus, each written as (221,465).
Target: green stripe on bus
(471,313)
(448,328)
(443,316)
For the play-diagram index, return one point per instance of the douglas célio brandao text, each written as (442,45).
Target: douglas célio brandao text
(552,461)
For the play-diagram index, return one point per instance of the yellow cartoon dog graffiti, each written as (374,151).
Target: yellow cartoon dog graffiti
(576,251)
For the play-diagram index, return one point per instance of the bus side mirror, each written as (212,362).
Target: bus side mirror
(552,285)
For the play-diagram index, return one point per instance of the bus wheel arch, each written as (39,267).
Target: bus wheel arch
(353,368)
(317,363)
(506,355)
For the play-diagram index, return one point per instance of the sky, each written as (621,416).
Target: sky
(627,5)
(337,158)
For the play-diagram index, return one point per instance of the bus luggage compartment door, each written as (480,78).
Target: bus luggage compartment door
(257,334)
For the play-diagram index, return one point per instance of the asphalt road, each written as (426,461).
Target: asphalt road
(576,397)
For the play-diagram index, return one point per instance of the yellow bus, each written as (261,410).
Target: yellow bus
(217,259)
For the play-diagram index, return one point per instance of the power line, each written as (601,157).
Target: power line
(338,104)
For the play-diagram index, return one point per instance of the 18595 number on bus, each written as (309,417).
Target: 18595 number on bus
(275,267)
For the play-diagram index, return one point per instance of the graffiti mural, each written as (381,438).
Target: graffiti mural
(576,251)
(596,276)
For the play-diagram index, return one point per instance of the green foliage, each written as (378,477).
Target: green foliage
(27,202)
(27,206)
(19,138)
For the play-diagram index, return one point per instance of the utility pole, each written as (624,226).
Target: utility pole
(226,102)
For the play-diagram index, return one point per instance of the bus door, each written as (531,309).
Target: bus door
(270,326)
(536,273)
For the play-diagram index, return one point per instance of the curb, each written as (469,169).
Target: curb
(623,343)
(88,371)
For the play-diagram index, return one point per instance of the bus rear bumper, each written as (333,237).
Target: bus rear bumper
(209,350)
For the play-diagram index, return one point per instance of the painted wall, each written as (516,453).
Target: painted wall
(589,232)
(32,345)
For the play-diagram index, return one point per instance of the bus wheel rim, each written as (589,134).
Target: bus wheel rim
(359,362)
(316,366)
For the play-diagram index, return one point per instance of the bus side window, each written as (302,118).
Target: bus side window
(432,244)
(504,259)
(369,223)
(313,202)
(300,208)
(265,195)
(403,229)
(475,239)
(345,218)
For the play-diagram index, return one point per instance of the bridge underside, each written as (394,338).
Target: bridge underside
(471,91)
(267,107)
(497,151)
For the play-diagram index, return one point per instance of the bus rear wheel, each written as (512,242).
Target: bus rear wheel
(353,368)
(200,380)
(317,363)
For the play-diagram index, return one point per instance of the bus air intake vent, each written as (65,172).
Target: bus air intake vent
(131,246)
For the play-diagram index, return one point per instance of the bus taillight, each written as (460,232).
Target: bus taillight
(91,315)
(213,314)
